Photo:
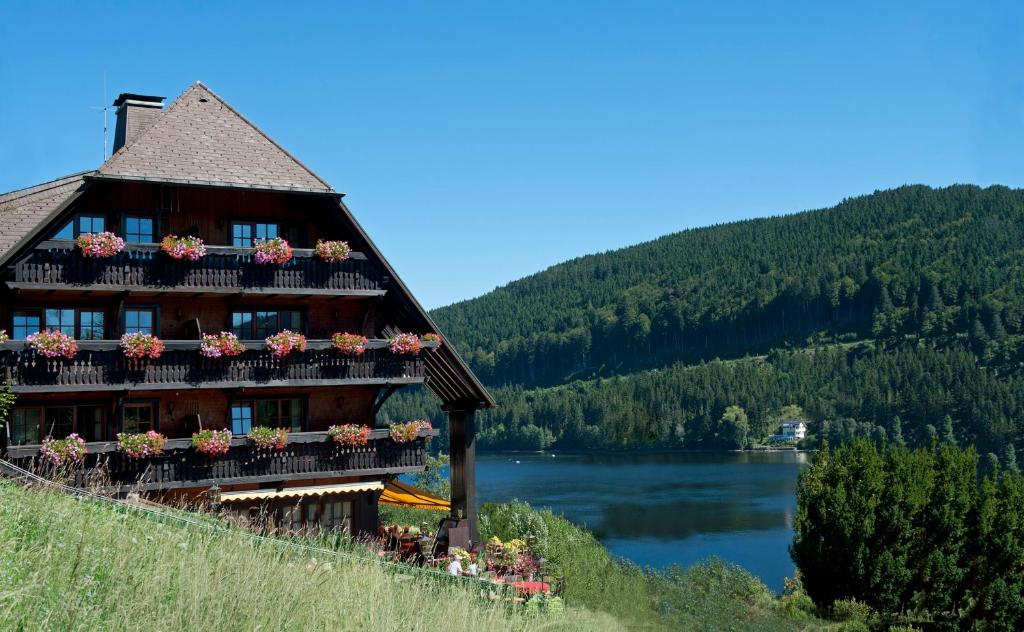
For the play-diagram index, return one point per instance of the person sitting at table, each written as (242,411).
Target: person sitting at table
(472,570)
(455,566)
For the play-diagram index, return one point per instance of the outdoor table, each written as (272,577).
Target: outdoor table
(531,588)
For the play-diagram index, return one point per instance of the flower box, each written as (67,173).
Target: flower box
(269,438)
(142,444)
(53,344)
(274,250)
(351,435)
(68,451)
(190,248)
(3,336)
(137,346)
(405,344)
(333,251)
(434,338)
(409,431)
(99,245)
(284,342)
(349,344)
(212,442)
(223,344)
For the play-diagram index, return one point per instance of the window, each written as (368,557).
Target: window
(273,413)
(25,323)
(83,324)
(256,325)
(31,424)
(140,320)
(244,234)
(138,417)
(25,425)
(318,515)
(138,230)
(81,224)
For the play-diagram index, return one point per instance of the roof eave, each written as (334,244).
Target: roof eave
(212,184)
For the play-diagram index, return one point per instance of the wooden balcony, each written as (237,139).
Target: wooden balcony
(308,455)
(100,365)
(57,264)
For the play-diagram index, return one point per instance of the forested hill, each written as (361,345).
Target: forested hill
(938,264)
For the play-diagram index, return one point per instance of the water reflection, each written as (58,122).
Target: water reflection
(664,508)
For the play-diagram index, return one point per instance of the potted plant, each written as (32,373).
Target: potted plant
(434,338)
(409,431)
(284,342)
(223,344)
(274,250)
(212,442)
(349,344)
(139,445)
(265,438)
(67,451)
(99,245)
(53,344)
(405,344)
(3,336)
(333,251)
(138,345)
(350,435)
(191,248)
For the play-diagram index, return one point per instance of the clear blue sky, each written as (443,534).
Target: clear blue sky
(480,143)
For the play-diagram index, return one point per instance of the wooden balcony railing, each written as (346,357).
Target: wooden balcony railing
(224,269)
(101,365)
(308,455)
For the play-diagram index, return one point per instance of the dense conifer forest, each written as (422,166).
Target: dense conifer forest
(896,313)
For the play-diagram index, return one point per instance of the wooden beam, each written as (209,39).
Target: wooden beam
(462,448)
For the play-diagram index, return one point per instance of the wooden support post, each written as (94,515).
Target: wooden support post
(462,447)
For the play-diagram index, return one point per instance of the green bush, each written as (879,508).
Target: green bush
(514,520)
(850,610)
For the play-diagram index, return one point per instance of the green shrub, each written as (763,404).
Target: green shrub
(514,520)
(850,610)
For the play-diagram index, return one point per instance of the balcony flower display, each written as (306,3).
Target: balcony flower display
(333,251)
(191,248)
(53,344)
(265,438)
(223,344)
(284,342)
(66,451)
(99,245)
(141,346)
(349,344)
(139,445)
(3,336)
(212,442)
(409,431)
(435,338)
(274,250)
(351,435)
(405,344)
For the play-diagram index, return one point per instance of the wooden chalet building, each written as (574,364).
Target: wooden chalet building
(199,168)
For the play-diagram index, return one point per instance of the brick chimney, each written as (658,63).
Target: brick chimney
(135,112)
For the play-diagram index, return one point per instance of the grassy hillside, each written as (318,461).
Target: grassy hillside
(68,564)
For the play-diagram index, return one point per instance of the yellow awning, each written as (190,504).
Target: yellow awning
(399,494)
(299,492)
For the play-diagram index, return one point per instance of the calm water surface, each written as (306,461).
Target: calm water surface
(666,508)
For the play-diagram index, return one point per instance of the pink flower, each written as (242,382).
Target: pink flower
(435,338)
(53,344)
(142,444)
(191,248)
(405,344)
(59,452)
(99,245)
(409,431)
(223,344)
(352,435)
(333,250)
(274,250)
(349,344)
(269,438)
(139,345)
(284,342)
(212,442)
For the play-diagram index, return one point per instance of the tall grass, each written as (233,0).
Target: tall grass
(76,564)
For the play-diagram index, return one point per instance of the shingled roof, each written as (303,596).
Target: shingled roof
(200,139)
(24,210)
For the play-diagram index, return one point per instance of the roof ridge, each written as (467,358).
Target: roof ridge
(202,85)
(42,186)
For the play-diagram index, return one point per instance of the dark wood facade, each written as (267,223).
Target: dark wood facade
(48,284)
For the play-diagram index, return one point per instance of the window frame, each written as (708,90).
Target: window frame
(151,307)
(140,402)
(236,400)
(27,312)
(139,215)
(76,422)
(76,225)
(252,311)
(40,313)
(252,225)
(312,519)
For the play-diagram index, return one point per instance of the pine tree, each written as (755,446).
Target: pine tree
(1010,459)
(947,430)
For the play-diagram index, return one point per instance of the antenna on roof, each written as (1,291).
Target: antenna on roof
(103,158)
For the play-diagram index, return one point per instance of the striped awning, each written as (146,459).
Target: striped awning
(399,494)
(300,492)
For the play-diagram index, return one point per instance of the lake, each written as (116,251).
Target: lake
(664,508)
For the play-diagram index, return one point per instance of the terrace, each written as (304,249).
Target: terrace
(100,365)
(56,264)
(307,455)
